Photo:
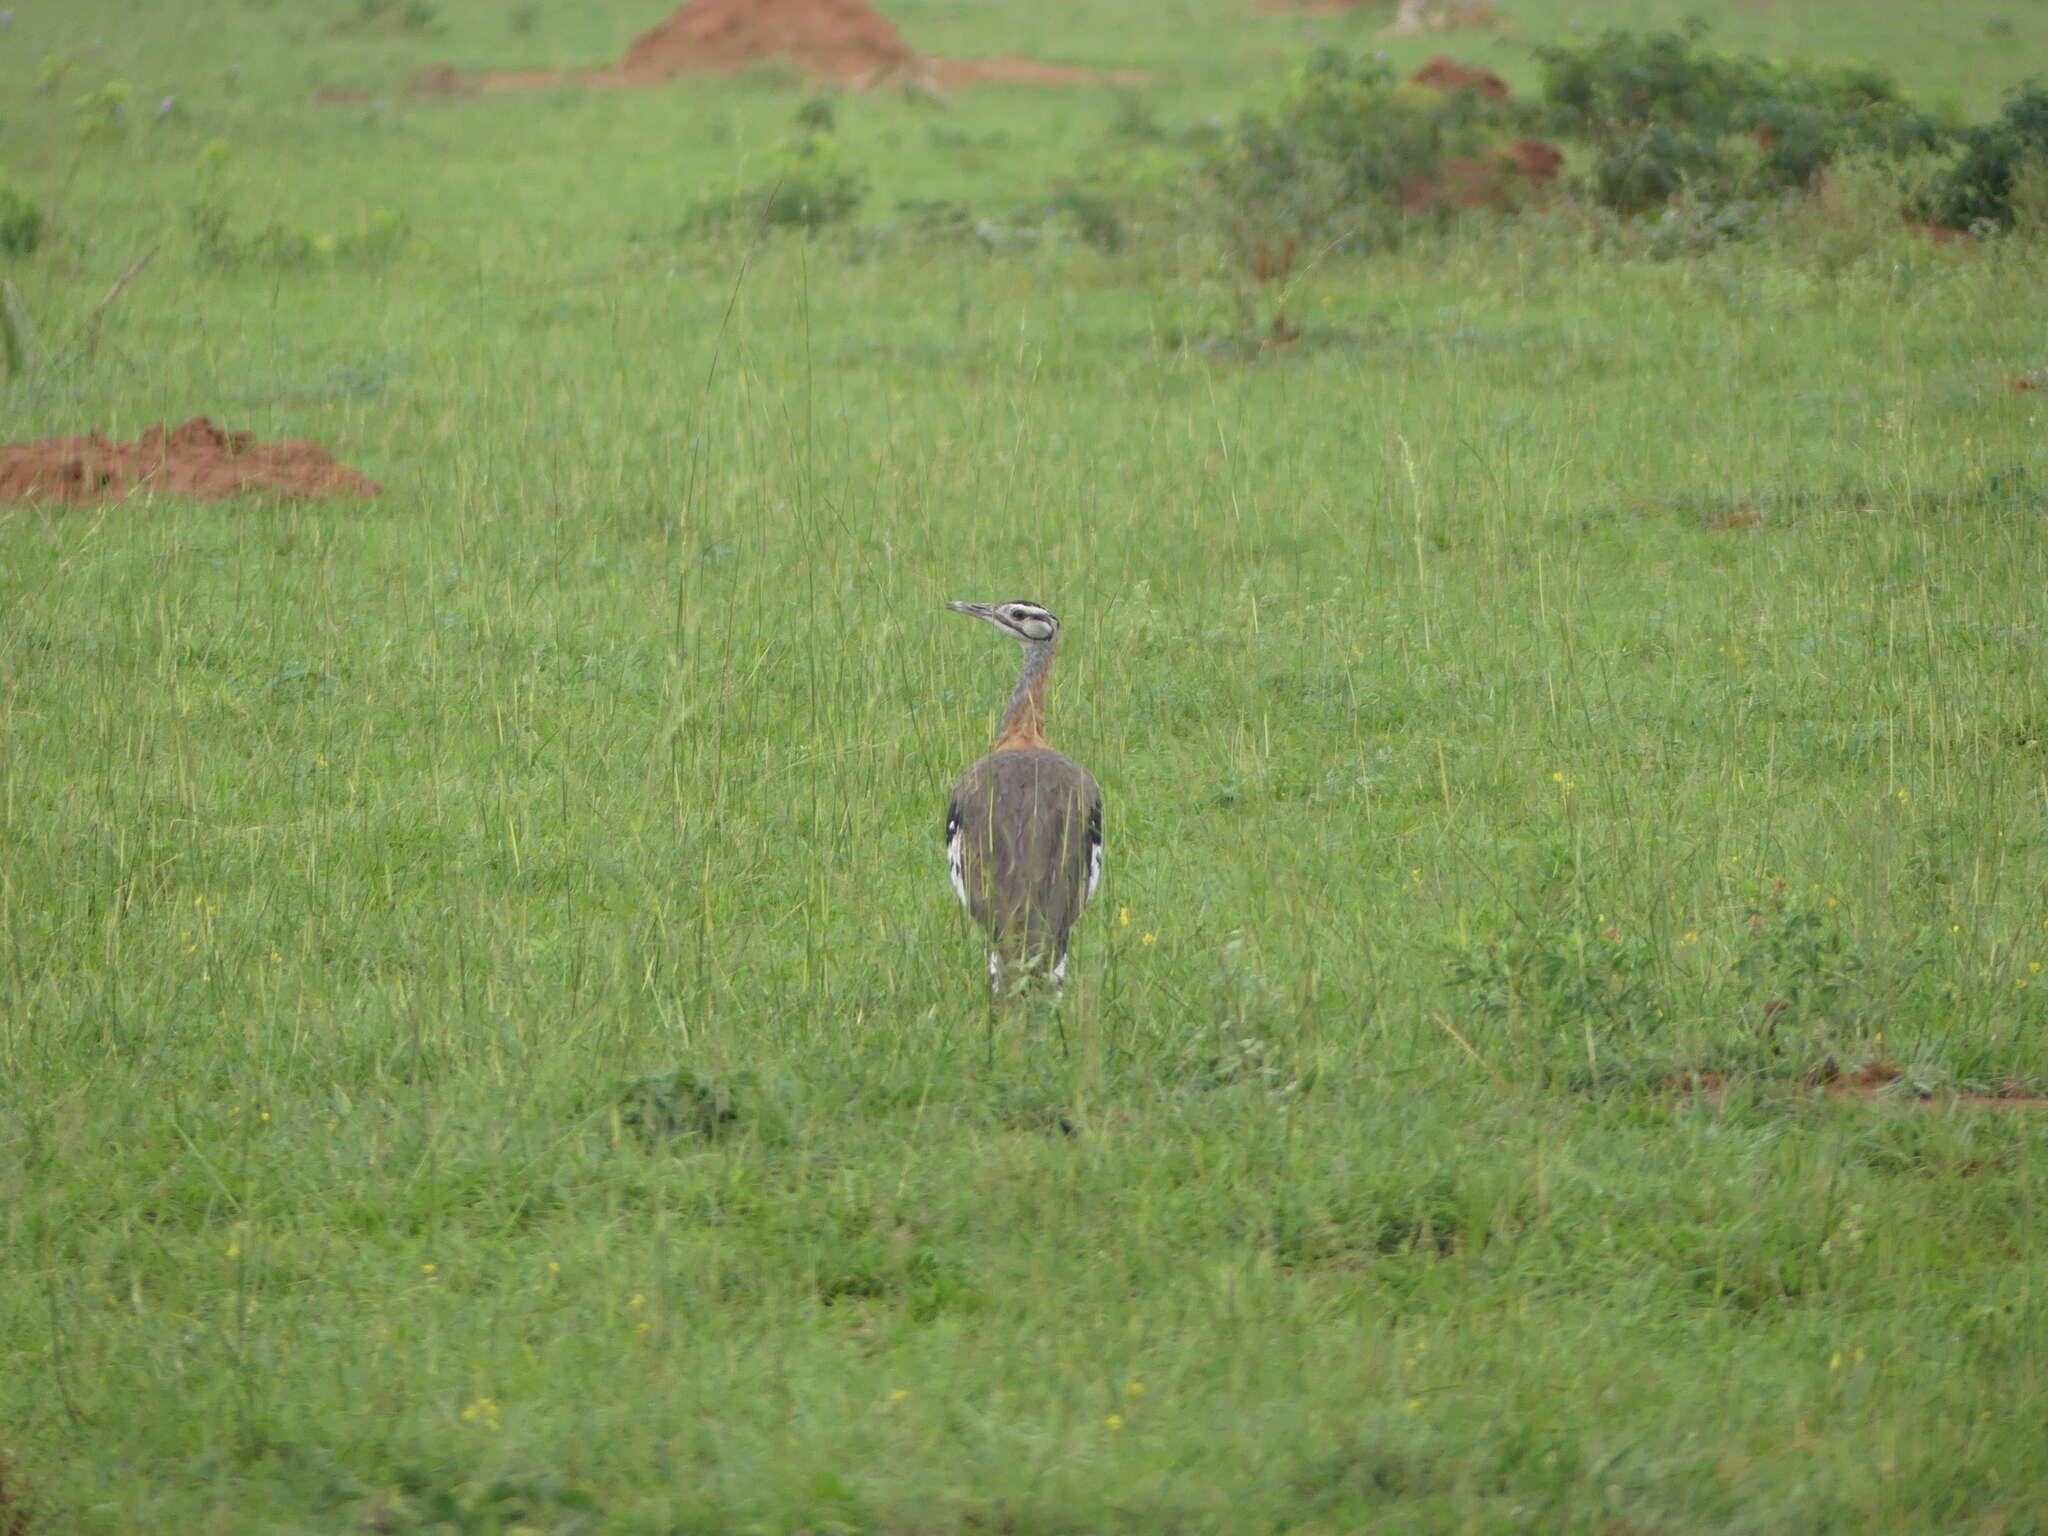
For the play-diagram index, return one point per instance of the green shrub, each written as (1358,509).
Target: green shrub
(1664,113)
(814,186)
(1325,156)
(21,219)
(809,185)
(1653,165)
(376,235)
(1998,158)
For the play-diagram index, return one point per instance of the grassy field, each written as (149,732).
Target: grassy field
(486,1043)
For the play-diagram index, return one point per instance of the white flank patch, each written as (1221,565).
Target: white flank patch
(1094,873)
(953,864)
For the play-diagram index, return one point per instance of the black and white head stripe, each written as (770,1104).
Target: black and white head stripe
(1026,620)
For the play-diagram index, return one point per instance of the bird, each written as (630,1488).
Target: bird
(1024,825)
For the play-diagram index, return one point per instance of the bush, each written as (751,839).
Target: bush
(1326,156)
(1664,114)
(810,184)
(1997,160)
(1652,166)
(815,186)
(21,219)
(376,235)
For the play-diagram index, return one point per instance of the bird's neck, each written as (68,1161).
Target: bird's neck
(1023,726)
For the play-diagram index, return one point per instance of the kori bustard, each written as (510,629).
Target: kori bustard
(1024,826)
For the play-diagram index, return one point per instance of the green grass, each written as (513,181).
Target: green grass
(485,1039)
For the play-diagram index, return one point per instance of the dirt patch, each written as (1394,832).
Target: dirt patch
(1941,234)
(826,39)
(837,42)
(1737,520)
(197,459)
(1445,73)
(1508,177)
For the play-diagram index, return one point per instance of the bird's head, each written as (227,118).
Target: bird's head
(1022,621)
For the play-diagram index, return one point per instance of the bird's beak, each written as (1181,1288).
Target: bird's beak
(979,610)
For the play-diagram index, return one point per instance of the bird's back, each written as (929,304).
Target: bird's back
(1024,837)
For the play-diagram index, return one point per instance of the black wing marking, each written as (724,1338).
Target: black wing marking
(1094,852)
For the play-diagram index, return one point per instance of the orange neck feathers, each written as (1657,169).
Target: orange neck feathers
(1023,727)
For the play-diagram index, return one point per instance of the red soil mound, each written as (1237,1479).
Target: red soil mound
(827,39)
(197,460)
(839,41)
(1510,176)
(1447,74)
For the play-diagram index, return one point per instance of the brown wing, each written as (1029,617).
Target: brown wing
(1024,840)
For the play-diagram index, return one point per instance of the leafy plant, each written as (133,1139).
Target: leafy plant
(1326,155)
(1564,972)
(219,242)
(678,1105)
(102,115)
(21,218)
(1666,114)
(1995,163)
(809,183)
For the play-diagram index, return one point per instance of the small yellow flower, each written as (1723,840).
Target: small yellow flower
(637,1301)
(1903,797)
(265,1116)
(2021,983)
(1123,916)
(1115,1421)
(1835,1361)
(1692,936)
(1415,875)
(1148,939)
(1134,1390)
(483,1411)
(1832,902)
(429,1270)
(554,1268)
(1415,1405)
(234,1250)
(642,1328)
(1955,927)
(899,1395)
(2034,966)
